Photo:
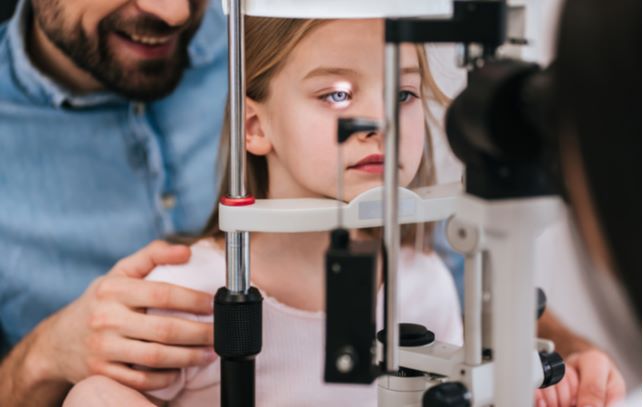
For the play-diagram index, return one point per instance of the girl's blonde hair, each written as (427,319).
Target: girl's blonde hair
(269,41)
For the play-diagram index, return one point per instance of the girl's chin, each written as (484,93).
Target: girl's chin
(352,193)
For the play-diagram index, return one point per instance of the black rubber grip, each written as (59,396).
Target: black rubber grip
(237,323)
(237,382)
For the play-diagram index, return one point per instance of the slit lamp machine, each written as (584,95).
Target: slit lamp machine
(507,199)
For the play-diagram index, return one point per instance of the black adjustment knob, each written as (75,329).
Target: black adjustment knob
(553,368)
(450,394)
(541,302)
(410,335)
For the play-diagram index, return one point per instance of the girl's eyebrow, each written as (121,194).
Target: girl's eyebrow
(410,70)
(338,71)
(331,71)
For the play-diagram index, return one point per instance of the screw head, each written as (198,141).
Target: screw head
(345,363)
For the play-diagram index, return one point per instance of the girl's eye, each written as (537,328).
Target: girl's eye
(340,96)
(406,95)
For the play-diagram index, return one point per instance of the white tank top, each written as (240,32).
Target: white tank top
(289,369)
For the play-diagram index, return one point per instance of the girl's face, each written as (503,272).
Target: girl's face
(335,71)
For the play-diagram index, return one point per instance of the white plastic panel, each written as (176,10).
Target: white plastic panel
(309,215)
(345,8)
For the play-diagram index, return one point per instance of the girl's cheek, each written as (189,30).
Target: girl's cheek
(412,145)
(413,136)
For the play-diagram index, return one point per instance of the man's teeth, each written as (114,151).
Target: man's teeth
(149,40)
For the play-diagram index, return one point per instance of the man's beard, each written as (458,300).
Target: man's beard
(143,80)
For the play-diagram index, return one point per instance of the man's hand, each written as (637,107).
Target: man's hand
(106,331)
(591,379)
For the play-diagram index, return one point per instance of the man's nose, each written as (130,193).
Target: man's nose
(174,12)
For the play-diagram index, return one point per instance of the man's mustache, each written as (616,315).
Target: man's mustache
(144,25)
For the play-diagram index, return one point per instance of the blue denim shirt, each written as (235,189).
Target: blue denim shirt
(87,180)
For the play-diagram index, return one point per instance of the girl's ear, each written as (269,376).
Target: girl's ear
(256,141)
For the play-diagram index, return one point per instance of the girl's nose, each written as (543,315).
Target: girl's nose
(364,136)
(173,12)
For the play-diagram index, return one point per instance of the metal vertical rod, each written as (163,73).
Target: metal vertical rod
(238,261)
(237,243)
(473,309)
(340,185)
(391,202)
(236,76)
(238,307)
(487,317)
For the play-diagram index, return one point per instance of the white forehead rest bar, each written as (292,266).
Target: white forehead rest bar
(345,8)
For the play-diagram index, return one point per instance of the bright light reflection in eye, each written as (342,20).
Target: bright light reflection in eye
(343,85)
(341,95)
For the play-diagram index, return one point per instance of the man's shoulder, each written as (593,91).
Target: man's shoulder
(205,271)
(9,90)
(4,50)
(3,31)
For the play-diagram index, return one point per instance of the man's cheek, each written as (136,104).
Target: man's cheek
(91,17)
(200,7)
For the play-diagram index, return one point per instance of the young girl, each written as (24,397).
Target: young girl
(302,75)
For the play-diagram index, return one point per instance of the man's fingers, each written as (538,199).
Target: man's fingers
(157,253)
(593,372)
(563,391)
(615,388)
(572,383)
(142,380)
(550,396)
(167,330)
(538,399)
(151,294)
(156,355)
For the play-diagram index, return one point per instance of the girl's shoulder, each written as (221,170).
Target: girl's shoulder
(415,264)
(428,296)
(425,279)
(205,271)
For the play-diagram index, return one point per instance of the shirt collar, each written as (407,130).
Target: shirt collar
(211,38)
(202,50)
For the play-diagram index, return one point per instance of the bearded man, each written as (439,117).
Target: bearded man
(109,119)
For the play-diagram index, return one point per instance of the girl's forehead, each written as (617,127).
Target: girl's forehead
(341,37)
(353,44)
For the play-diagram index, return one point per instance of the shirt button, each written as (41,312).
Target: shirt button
(139,109)
(168,201)
(137,156)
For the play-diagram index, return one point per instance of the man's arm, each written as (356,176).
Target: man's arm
(28,378)
(567,342)
(105,331)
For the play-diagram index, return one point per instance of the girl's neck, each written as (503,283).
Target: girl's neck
(290,267)
(290,247)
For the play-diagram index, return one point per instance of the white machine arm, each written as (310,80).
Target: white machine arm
(307,215)
(499,364)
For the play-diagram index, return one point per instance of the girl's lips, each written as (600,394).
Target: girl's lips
(373,164)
